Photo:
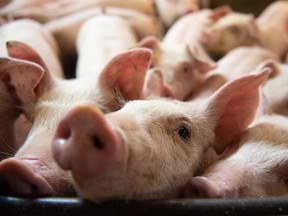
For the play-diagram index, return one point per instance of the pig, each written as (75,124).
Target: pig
(170,11)
(65,29)
(60,8)
(273,28)
(183,67)
(237,62)
(218,31)
(99,40)
(255,166)
(32,33)
(150,148)
(44,99)
(9,112)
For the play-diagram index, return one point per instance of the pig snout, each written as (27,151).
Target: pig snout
(17,177)
(212,186)
(201,187)
(85,142)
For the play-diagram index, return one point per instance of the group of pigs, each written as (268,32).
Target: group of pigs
(170,99)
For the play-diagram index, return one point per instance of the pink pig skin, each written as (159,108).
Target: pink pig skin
(44,99)
(183,67)
(273,28)
(99,40)
(55,9)
(256,166)
(170,11)
(218,31)
(66,28)
(238,62)
(167,138)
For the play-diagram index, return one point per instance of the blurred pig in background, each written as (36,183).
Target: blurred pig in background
(150,148)
(183,67)
(218,31)
(99,40)
(273,28)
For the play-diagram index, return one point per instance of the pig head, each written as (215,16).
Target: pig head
(43,99)
(227,30)
(183,67)
(150,148)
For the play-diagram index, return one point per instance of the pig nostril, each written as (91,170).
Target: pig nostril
(97,143)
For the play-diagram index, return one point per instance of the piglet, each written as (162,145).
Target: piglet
(149,149)
(55,9)
(237,62)
(219,30)
(255,166)
(183,67)
(273,28)
(44,99)
(170,11)
(35,35)
(65,29)
(99,40)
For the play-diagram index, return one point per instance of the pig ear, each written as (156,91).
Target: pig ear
(203,62)
(150,42)
(126,72)
(21,78)
(154,84)
(271,64)
(22,51)
(233,108)
(219,12)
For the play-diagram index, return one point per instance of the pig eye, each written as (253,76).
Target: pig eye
(183,132)
(186,68)
(235,30)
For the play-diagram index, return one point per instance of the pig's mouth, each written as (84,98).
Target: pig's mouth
(20,179)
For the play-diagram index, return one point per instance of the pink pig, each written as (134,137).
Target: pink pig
(237,62)
(55,9)
(65,29)
(255,166)
(166,138)
(169,11)
(273,28)
(218,31)
(35,35)
(183,67)
(44,99)
(99,40)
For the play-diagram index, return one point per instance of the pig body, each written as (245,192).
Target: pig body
(62,8)
(183,68)
(170,136)
(34,172)
(66,28)
(273,28)
(276,91)
(170,11)
(99,40)
(219,30)
(255,167)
